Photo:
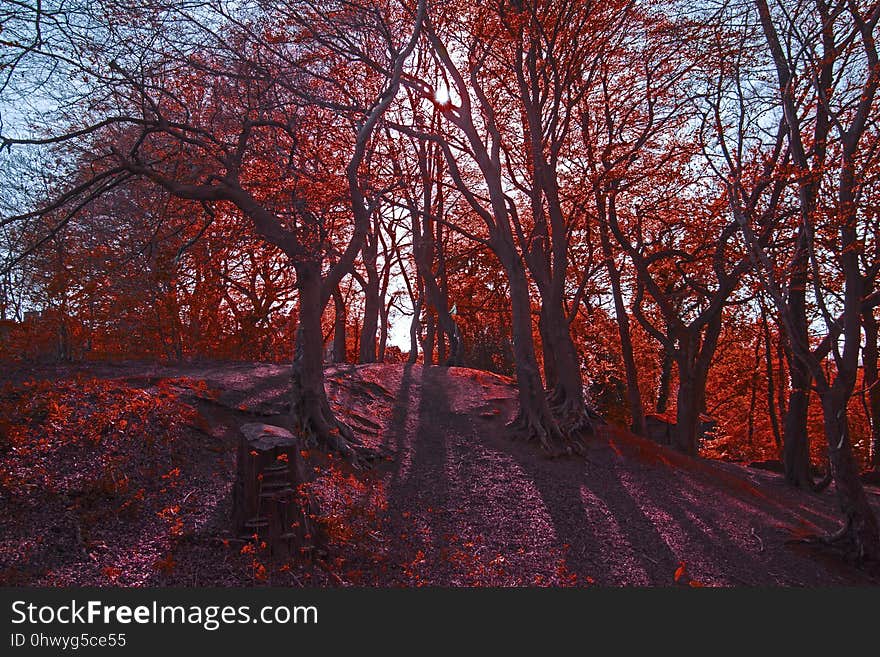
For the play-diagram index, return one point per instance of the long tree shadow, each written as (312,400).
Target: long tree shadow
(417,488)
(463,513)
(396,434)
(630,523)
(608,538)
(467,505)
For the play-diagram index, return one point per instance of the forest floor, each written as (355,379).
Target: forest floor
(122,474)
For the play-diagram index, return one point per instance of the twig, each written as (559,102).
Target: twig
(649,558)
(757,538)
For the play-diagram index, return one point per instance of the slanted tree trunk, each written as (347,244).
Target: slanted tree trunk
(339,320)
(414,330)
(753,392)
(372,303)
(447,322)
(664,385)
(441,344)
(385,306)
(424,248)
(633,394)
(808,153)
(860,526)
(870,382)
(771,385)
(545,246)
(796,438)
(383,332)
(860,523)
(534,418)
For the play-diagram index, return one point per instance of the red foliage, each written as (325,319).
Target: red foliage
(92,422)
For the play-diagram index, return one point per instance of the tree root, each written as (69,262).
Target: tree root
(760,541)
(823,483)
(822,539)
(563,433)
(844,541)
(547,434)
(320,427)
(574,418)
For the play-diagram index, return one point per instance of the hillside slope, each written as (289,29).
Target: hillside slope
(630,513)
(455,501)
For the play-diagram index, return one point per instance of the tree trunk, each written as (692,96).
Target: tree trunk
(423,248)
(370,327)
(693,357)
(771,386)
(870,383)
(687,419)
(534,417)
(428,243)
(689,399)
(441,344)
(310,414)
(665,381)
(796,438)
(372,303)
(567,396)
(428,344)
(383,333)
(860,523)
(414,329)
(549,358)
(753,394)
(633,394)
(339,319)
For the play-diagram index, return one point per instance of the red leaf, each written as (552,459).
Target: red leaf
(165,565)
(679,572)
(111,572)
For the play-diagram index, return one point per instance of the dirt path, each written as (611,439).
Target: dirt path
(467,505)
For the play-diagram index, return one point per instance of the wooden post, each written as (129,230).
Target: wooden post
(266,501)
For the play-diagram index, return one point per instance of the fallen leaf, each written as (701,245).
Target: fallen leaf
(679,572)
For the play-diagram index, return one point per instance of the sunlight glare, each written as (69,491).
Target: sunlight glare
(441,95)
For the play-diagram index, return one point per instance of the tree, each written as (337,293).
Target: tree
(244,128)
(648,196)
(523,62)
(839,77)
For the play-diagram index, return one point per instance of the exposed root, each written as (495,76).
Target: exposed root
(342,439)
(823,483)
(574,418)
(845,541)
(547,434)
(317,425)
